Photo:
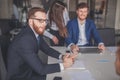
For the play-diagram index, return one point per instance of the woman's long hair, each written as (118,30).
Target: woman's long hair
(56,15)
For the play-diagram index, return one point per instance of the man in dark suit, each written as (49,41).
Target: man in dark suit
(81,30)
(23,62)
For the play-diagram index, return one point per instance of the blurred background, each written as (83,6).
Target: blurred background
(13,16)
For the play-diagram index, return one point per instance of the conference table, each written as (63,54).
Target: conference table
(88,66)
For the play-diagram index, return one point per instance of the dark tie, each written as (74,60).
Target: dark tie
(38,40)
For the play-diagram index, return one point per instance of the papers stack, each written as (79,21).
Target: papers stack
(77,65)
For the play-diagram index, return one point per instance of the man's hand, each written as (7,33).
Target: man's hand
(55,40)
(67,61)
(74,48)
(74,55)
(101,47)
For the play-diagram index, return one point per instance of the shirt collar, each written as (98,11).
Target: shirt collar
(79,21)
(36,35)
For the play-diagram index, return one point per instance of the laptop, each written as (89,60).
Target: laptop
(89,50)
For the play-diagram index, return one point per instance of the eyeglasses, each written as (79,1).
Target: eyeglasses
(42,20)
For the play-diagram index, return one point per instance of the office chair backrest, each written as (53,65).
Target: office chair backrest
(5,36)
(108,36)
(3,70)
(4,26)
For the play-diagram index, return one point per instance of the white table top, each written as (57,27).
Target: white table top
(97,66)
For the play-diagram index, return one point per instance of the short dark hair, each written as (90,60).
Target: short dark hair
(33,10)
(82,5)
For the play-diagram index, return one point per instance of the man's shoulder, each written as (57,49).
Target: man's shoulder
(24,35)
(72,22)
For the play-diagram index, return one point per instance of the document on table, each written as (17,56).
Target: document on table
(81,75)
(77,65)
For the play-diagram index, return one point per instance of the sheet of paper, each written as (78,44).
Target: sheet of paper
(81,75)
(78,65)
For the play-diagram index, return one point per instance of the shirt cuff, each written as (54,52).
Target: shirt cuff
(101,43)
(60,56)
(51,36)
(48,34)
(61,66)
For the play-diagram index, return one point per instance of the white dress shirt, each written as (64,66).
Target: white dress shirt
(82,35)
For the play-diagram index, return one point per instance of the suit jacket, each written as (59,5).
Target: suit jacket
(73,32)
(23,60)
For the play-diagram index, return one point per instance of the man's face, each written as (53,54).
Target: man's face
(39,22)
(82,13)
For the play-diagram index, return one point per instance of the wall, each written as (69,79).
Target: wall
(110,14)
(79,1)
(36,3)
(117,20)
(5,8)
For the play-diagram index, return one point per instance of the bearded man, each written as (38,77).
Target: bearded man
(23,62)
